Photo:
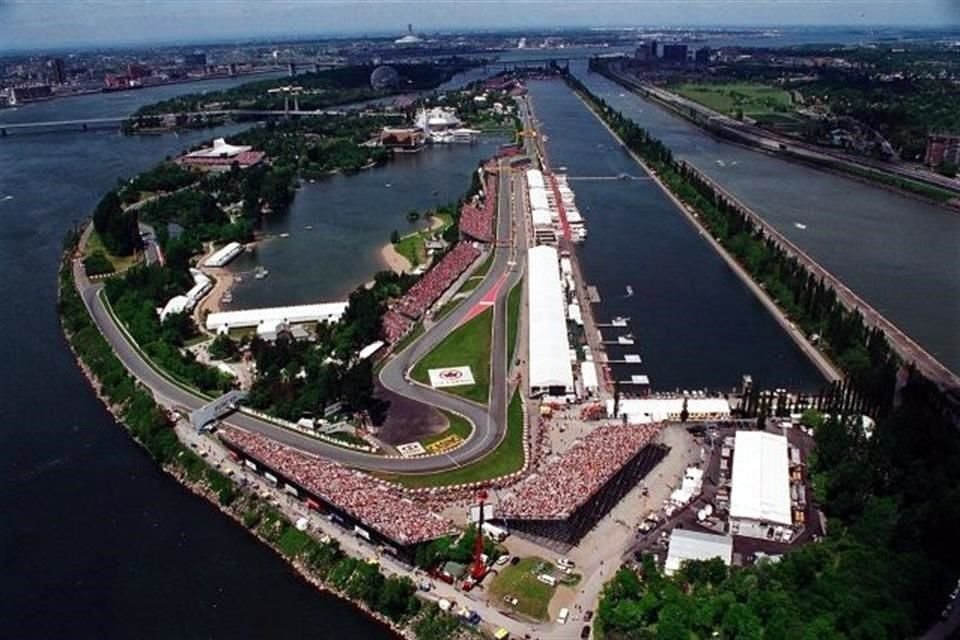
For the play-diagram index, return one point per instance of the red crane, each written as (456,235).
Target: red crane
(479,568)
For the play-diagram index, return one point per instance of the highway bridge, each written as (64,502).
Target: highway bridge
(89,124)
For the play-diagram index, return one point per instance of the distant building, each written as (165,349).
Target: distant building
(221,156)
(136,71)
(404,139)
(57,71)
(195,60)
(942,148)
(675,53)
(646,52)
(702,55)
(30,93)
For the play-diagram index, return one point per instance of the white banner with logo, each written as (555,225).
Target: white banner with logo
(451,377)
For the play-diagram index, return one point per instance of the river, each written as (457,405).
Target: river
(899,254)
(95,541)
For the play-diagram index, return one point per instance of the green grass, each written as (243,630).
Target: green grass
(506,458)
(471,283)
(513,318)
(457,425)
(731,97)
(467,345)
(349,438)
(94,244)
(413,248)
(520,581)
(484,267)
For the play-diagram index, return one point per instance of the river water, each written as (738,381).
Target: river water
(899,254)
(95,541)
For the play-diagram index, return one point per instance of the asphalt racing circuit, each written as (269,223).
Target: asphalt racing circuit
(489,423)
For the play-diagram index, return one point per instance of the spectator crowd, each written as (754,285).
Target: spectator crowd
(476,218)
(399,319)
(370,502)
(566,482)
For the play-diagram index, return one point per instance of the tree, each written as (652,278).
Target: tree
(394,237)
(223,348)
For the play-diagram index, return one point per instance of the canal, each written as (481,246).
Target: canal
(899,254)
(695,322)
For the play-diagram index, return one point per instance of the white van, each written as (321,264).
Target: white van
(547,579)
(563,615)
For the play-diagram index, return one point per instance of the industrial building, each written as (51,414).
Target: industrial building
(695,545)
(550,369)
(760,491)
(273,316)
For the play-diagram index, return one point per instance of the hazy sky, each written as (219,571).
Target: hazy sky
(51,23)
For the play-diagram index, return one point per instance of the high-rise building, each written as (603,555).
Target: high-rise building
(675,52)
(195,59)
(702,56)
(56,71)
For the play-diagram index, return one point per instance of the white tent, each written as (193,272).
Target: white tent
(761,484)
(550,369)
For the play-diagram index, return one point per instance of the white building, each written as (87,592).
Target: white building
(760,492)
(222,256)
(187,301)
(694,545)
(271,316)
(643,410)
(550,369)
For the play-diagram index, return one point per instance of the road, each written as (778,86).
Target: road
(490,425)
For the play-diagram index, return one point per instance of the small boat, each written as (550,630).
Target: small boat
(799,225)
(261,273)
(308,227)
(284,235)
(629,292)
(388,185)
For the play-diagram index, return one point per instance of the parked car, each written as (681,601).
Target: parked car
(565,563)
(585,632)
(502,560)
(587,615)
(510,600)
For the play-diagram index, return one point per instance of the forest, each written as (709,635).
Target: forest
(890,498)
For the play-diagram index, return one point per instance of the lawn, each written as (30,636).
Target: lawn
(467,345)
(729,98)
(513,318)
(506,458)
(520,581)
(457,426)
(412,248)
(94,244)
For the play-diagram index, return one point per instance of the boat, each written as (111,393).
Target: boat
(629,291)
(800,225)
(284,235)
(308,227)
(261,273)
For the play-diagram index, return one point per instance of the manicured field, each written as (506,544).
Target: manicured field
(730,98)
(467,345)
(513,318)
(506,458)
(412,248)
(520,581)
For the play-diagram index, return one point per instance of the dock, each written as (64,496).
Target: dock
(592,294)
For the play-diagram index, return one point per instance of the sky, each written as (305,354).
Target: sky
(40,24)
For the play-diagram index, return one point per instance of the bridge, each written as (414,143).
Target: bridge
(216,408)
(115,122)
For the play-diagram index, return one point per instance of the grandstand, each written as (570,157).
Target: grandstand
(476,220)
(373,509)
(572,492)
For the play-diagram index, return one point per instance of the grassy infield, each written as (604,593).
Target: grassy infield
(469,345)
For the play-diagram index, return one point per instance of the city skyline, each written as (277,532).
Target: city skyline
(48,25)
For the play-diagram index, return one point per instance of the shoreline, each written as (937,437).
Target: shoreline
(392,259)
(200,490)
(819,360)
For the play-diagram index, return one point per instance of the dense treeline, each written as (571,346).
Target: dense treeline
(890,496)
(321,90)
(862,353)
(163,178)
(135,298)
(449,549)
(116,227)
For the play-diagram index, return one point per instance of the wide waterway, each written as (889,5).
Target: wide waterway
(695,322)
(899,254)
(95,541)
